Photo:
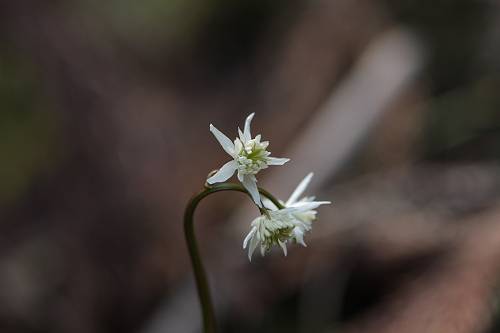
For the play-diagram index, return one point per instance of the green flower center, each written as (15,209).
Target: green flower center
(276,236)
(252,157)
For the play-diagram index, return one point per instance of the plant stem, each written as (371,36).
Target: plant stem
(207,308)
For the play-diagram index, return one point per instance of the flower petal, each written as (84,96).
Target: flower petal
(299,236)
(299,190)
(246,131)
(238,146)
(250,183)
(249,236)
(304,206)
(240,176)
(269,204)
(277,161)
(224,173)
(224,141)
(283,247)
(254,241)
(242,136)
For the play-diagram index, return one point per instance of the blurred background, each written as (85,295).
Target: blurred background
(104,120)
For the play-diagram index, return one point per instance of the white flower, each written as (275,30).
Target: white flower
(249,157)
(278,226)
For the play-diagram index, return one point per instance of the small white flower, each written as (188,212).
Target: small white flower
(249,157)
(278,226)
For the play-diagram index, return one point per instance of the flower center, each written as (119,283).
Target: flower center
(280,235)
(274,229)
(252,156)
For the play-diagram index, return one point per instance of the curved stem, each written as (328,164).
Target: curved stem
(207,308)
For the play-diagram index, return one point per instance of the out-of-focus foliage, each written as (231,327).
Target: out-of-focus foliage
(104,113)
(28,142)
(454,31)
(465,123)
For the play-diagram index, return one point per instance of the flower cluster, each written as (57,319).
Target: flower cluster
(277,225)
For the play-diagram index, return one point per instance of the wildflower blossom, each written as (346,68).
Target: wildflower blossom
(278,226)
(249,155)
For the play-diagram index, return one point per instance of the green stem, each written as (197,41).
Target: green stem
(207,307)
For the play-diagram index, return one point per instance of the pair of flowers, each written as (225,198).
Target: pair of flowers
(276,225)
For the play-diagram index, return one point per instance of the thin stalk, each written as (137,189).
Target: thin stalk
(207,308)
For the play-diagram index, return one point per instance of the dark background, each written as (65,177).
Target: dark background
(105,107)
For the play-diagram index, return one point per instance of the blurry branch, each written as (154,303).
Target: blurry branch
(311,58)
(385,69)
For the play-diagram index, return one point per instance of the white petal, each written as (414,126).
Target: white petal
(277,161)
(269,204)
(246,131)
(250,184)
(249,236)
(240,176)
(242,137)
(238,146)
(224,141)
(304,206)
(299,236)
(252,246)
(224,173)
(283,247)
(300,189)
